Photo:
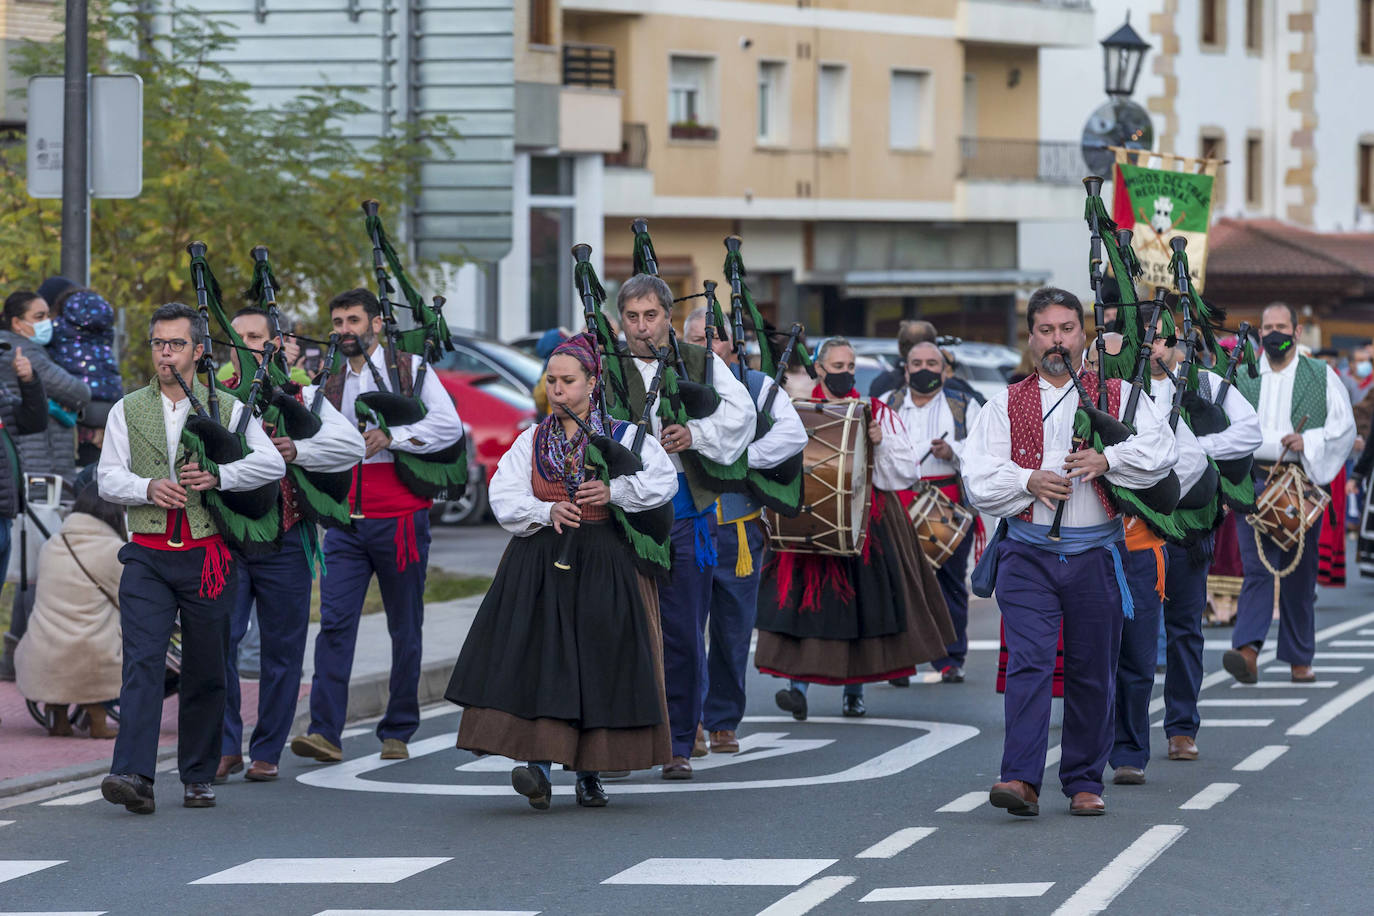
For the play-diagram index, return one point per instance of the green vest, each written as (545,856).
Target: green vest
(1309,391)
(148,458)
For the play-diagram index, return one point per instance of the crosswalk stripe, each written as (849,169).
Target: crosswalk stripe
(1333,708)
(809,896)
(1227,723)
(1319,669)
(1353,643)
(897,842)
(1210,797)
(423,913)
(18,868)
(1351,656)
(1286,685)
(956,892)
(1117,875)
(1245,701)
(1261,758)
(969,801)
(360,870)
(722,872)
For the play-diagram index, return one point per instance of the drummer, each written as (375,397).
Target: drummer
(851,620)
(936,419)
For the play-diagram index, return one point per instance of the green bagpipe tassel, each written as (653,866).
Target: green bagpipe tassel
(248,357)
(314,549)
(1237,487)
(779,488)
(768,360)
(648,534)
(613,376)
(725,478)
(430,323)
(249,520)
(322,495)
(1125,268)
(1127,502)
(644,258)
(433,475)
(1207,318)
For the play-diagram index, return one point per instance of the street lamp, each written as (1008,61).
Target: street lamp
(1123,52)
(1119,121)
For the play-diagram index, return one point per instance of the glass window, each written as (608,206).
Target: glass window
(1254,172)
(909,106)
(689,90)
(772,126)
(1366,176)
(551,176)
(550,272)
(832,106)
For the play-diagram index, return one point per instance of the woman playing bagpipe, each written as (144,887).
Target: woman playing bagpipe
(563,663)
(851,620)
(177,561)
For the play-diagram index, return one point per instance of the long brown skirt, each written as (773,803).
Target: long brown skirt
(490,731)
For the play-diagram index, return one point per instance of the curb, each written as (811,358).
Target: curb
(33,781)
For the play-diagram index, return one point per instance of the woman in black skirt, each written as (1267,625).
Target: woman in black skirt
(565,665)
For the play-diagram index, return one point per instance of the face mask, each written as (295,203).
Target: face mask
(42,331)
(1276,344)
(925,381)
(839,383)
(1363,368)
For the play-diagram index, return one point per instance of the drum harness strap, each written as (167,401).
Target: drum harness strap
(1279,575)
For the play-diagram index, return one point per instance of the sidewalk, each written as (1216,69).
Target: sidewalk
(30,759)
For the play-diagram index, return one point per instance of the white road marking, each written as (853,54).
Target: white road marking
(1333,708)
(487,763)
(80,798)
(1319,669)
(1103,887)
(1226,723)
(1285,685)
(423,913)
(18,868)
(361,870)
(969,801)
(984,645)
(1261,758)
(1344,656)
(56,913)
(5,823)
(1353,643)
(354,732)
(91,795)
(1210,797)
(806,898)
(899,841)
(722,872)
(761,746)
(1369,632)
(1263,701)
(956,892)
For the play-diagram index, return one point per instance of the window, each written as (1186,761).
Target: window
(1212,145)
(1212,28)
(772,126)
(909,110)
(832,106)
(1366,173)
(1254,25)
(551,176)
(1254,172)
(541,22)
(1365,30)
(691,97)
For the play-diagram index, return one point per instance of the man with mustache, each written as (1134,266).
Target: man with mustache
(1019,463)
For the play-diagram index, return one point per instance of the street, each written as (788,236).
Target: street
(885,814)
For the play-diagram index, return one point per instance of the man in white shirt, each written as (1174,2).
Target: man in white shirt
(1019,463)
(1292,391)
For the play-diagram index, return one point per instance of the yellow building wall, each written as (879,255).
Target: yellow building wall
(1005,111)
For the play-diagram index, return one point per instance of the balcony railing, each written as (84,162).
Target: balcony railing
(1049,161)
(634,147)
(592,66)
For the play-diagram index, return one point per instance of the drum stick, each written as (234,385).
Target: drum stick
(1284,454)
(931,449)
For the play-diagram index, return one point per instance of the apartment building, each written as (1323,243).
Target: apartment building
(20,20)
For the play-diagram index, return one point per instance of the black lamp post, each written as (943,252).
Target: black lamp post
(1119,121)
(1123,52)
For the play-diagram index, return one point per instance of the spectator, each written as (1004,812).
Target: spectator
(24,412)
(73,652)
(83,345)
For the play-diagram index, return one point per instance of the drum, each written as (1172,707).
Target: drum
(940,523)
(837,468)
(1288,506)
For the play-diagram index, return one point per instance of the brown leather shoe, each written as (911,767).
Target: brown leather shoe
(1128,776)
(1303,674)
(1182,747)
(316,747)
(99,722)
(395,749)
(724,742)
(228,766)
(1086,804)
(59,724)
(1241,663)
(198,795)
(261,771)
(679,768)
(699,749)
(1016,796)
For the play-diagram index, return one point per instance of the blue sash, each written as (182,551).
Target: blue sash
(684,509)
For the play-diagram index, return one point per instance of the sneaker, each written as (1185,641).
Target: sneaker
(395,749)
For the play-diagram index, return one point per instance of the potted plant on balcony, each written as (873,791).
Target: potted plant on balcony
(691,130)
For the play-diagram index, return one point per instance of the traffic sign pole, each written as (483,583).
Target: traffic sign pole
(76,202)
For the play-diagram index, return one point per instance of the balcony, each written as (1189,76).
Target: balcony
(1018,179)
(1028,23)
(588,103)
(634,148)
(589,66)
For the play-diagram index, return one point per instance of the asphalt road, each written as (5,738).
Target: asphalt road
(473,550)
(883,815)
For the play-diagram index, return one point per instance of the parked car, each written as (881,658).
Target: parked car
(476,355)
(494,413)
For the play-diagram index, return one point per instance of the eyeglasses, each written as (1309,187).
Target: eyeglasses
(177,344)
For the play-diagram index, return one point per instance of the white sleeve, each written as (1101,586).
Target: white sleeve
(263,463)
(511,493)
(787,436)
(1325,448)
(115,481)
(994,483)
(724,435)
(970,416)
(338,445)
(655,485)
(1192,460)
(1146,457)
(895,460)
(1242,436)
(438,428)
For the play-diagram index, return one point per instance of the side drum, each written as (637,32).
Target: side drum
(940,523)
(1288,506)
(837,467)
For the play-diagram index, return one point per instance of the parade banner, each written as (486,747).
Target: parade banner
(1158,204)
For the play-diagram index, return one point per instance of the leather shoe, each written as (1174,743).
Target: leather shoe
(1302,674)
(316,747)
(724,742)
(1127,776)
(531,782)
(261,771)
(852,705)
(679,768)
(699,748)
(132,791)
(198,795)
(790,699)
(1086,804)
(228,766)
(1182,747)
(589,792)
(1242,664)
(395,749)
(1016,796)
(952,675)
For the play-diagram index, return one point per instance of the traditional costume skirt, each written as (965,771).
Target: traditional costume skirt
(848,620)
(1226,575)
(1331,543)
(566,666)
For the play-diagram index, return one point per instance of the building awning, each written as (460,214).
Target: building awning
(863,284)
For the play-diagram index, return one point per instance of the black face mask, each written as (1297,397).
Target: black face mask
(925,381)
(1277,344)
(839,383)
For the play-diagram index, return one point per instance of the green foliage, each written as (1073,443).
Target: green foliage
(216,168)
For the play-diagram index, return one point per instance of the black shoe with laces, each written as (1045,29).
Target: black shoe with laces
(853,705)
(132,791)
(792,700)
(531,782)
(590,794)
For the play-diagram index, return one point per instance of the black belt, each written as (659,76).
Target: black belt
(952,480)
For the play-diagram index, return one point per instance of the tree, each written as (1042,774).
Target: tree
(216,168)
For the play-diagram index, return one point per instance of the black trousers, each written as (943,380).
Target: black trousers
(156,584)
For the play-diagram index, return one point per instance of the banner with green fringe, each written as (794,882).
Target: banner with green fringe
(1157,205)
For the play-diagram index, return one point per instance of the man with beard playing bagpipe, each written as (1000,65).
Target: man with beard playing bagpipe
(1070,574)
(177,561)
(777,450)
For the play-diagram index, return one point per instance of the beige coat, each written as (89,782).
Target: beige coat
(73,650)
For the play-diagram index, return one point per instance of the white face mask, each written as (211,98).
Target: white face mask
(1363,368)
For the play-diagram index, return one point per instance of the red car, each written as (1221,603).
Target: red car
(494,413)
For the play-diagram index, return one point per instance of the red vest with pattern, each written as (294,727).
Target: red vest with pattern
(1028,427)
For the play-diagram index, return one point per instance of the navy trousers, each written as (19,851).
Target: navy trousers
(734,608)
(1135,669)
(280,583)
(1297,595)
(683,604)
(1038,590)
(953,578)
(154,586)
(351,560)
(1185,596)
